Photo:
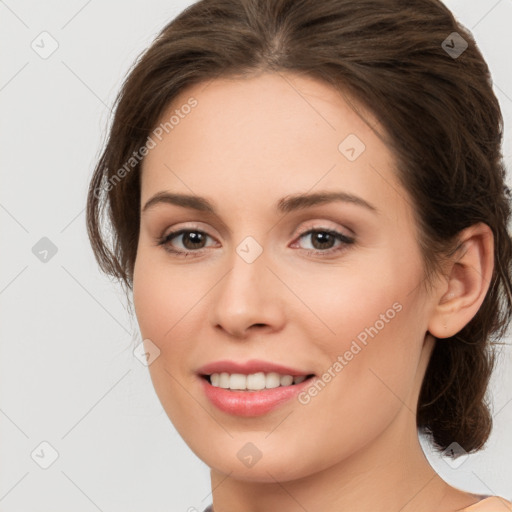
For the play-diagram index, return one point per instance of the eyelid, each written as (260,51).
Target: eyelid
(191,227)
(323,224)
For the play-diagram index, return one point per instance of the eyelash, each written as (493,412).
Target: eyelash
(164,241)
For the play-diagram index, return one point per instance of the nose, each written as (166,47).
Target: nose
(249,297)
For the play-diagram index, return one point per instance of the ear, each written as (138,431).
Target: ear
(467,280)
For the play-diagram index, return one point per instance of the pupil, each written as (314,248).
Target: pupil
(320,235)
(194,237)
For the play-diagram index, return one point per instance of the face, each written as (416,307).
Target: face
(329,288)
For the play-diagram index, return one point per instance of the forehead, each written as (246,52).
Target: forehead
(250,137)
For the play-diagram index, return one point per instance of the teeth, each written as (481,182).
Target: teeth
(254,381)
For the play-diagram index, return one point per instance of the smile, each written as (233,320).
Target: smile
(254,381)
(246,402)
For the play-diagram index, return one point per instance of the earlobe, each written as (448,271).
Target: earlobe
(468,279)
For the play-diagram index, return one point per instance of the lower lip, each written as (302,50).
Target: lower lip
(251,403)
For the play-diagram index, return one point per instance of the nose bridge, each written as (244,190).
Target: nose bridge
(242,287)
(245,296)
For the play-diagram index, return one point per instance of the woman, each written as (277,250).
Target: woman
(307,201)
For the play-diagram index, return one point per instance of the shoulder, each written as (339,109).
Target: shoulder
(490,504)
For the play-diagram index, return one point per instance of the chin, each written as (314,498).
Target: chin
(267,465)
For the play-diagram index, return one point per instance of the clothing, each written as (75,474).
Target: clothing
(486,504)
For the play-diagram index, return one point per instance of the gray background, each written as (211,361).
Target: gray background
(68,375)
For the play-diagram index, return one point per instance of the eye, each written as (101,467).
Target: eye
(323,240)
(192,240)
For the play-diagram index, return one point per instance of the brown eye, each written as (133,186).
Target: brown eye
(323,240)
(192,240)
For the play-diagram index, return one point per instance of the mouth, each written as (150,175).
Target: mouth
(253,382)
(253,394)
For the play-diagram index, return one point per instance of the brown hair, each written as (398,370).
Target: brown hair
(442,122)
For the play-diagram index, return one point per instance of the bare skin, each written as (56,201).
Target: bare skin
(354,446)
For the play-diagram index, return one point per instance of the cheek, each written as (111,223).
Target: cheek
(163,295)
(164,305)
(372,332)
(371,339)
(353,302)
(169,302)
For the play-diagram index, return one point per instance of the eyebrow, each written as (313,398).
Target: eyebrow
(285,205)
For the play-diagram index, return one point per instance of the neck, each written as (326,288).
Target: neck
(391,473)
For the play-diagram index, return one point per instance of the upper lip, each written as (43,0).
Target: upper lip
(248,367)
